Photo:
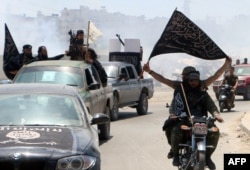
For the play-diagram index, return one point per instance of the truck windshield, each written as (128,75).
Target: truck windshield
(57,75)
(242,71)
(111,71)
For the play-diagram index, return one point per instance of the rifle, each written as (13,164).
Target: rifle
(74,51)
(118,36)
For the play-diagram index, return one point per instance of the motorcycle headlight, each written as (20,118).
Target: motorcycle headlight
(80,162)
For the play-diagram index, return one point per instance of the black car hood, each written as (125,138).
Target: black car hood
(52,140)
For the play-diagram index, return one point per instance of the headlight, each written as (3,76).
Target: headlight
(80,162)
(241,82)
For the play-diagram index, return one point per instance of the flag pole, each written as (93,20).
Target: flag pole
(185,98)
(87,45)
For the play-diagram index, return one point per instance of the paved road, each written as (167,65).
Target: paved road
(138,143)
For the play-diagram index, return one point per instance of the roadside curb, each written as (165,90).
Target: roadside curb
(245,125)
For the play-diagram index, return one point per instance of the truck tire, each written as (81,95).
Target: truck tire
(246,95)
(142,107)
(105,128)
(115,110)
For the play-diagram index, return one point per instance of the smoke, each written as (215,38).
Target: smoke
(44,30)
(37,32)
(232,36)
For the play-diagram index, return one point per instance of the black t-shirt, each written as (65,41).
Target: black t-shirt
(102,73)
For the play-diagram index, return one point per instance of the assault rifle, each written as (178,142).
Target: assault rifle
(74,50)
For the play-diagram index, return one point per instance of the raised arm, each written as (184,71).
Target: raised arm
(219,72)
(158,77)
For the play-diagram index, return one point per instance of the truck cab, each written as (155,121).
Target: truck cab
(123,70)
(243,73)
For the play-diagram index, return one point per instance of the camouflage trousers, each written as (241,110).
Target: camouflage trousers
(179,136)
(167,127)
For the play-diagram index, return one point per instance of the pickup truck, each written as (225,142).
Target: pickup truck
(243,88)
(83,76)
(128,90)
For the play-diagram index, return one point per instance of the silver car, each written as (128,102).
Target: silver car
(47,126)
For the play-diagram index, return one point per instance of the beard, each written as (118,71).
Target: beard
(44,57)
(29,55)
(191,88)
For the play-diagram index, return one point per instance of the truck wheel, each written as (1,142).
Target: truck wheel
(142,107)
(246,95)
(115,110)
(105,128)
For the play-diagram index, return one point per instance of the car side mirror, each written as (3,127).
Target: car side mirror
(6,81)
(99,118)
(94,86)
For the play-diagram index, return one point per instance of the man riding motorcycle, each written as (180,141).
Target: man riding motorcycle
(232,80)
(190,97)
(173,84)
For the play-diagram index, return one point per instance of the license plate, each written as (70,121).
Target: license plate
(200,129)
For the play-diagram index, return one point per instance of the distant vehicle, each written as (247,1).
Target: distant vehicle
(243,88)
(84,77)
(224,97)
(47,126)
(128,90)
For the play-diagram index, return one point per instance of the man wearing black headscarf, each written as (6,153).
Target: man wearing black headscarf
(198,103)
(17,62)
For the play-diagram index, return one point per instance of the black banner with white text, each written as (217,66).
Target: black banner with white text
(181,35)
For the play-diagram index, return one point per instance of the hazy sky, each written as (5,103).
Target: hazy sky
(223,10)
(150,8)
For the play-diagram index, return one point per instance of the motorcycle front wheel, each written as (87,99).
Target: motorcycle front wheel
(222,105)
(201,161)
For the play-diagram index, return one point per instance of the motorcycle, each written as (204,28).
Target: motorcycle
(224,97)
(192,154)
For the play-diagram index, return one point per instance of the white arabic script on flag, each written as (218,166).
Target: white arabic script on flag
(182,35)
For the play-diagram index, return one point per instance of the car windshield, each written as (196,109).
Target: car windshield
(56,75)
(242,71)
(40,109)
(111,71)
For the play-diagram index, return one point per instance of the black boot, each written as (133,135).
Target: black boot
(170,154)
(176,161)
(210,163)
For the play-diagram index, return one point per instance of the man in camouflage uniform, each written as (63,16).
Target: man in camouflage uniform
(199,103)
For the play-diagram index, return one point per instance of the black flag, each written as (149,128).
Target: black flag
(10,51)
(181,35)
